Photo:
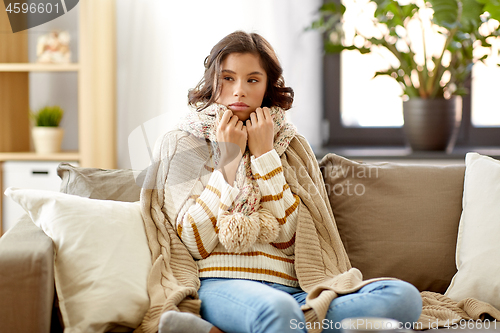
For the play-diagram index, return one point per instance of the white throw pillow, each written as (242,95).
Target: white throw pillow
(102,258)
(478,243)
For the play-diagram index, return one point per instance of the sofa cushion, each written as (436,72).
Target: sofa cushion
(478,248)
(102,258)
(93,183)
(397,220)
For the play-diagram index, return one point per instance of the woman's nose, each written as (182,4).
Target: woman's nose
(239,89)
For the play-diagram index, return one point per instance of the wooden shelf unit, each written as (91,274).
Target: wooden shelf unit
(35,67)
(96,87)
(32,156)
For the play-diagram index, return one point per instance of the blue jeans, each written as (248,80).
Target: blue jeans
(235,305)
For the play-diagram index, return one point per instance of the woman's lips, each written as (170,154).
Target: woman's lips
(238,106)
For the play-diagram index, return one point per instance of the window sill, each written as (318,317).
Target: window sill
(404,153)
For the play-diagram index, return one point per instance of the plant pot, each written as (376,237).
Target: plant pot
(432,124)
(47,139)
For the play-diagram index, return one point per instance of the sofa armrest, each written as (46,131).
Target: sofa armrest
(26,278)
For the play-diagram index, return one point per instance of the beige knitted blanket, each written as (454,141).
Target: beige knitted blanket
(322,266)
(440,311)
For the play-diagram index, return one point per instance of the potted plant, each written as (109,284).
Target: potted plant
(432,77)
(47,136)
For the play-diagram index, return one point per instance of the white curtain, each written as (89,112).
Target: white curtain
(160,52)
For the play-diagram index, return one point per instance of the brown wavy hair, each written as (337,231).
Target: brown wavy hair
(209,87)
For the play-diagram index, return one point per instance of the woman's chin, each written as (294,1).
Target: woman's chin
(243,116)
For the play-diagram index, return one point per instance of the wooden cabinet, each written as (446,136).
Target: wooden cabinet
(96,89)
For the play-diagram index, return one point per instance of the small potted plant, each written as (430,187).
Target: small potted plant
(430,47)
(47,135)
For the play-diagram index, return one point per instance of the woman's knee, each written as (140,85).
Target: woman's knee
(406,301)
(279,314)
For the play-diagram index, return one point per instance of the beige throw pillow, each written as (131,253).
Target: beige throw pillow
(397,220)
(94,183)
(102,258)
(478,245)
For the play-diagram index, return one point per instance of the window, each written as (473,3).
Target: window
(363,111)
(366,101)
(485,99)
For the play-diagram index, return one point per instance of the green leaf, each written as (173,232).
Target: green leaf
(318,24)
(471,11)
(445,12)
(382,9)
(492,7)
(392,73)
(332,8)
(363,50)
(381,3)
(461,91)
(380,73)
(409,10)
(337,48)
(411,91)
(396,10)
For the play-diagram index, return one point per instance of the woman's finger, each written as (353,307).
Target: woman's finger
(259,114)
(253,118)
(228,114)
(267,113)
(233,121)
(239,125)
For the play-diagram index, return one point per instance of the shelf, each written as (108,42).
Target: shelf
(32,156)
(35,67)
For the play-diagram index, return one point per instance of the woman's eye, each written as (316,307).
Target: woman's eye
(253,80)
(228,78)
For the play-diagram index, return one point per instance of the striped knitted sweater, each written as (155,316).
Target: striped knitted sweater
(244,230)
(211,195)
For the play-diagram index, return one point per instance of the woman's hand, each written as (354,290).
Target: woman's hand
(231,130)
(260,129)
(232,139)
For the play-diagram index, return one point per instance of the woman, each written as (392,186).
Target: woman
(237,215)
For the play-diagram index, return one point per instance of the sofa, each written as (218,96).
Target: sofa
(412,222)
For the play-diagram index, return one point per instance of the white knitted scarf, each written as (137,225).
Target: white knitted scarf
(246,221)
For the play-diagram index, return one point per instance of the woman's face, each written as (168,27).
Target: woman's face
(244,84)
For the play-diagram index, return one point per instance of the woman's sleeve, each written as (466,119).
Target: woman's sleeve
(277,196)
(196,223)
